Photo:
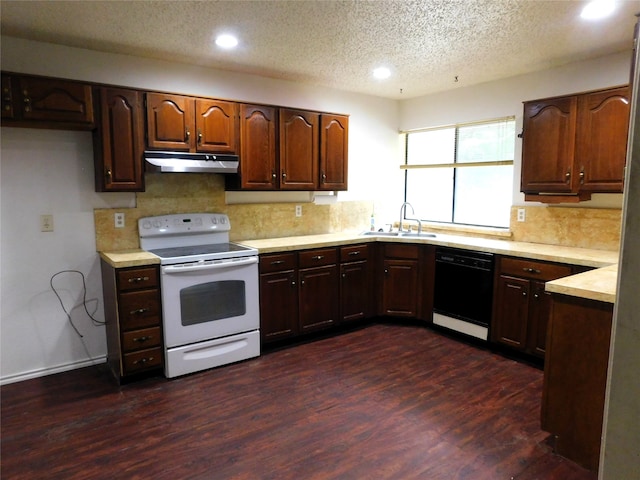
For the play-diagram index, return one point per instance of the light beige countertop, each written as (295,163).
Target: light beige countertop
(129,258)
(597,284)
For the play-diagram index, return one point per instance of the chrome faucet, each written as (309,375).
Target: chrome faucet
(404,206)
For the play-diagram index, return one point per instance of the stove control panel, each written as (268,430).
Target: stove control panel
(183,223)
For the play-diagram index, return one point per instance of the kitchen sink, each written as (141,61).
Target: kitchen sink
(398,234)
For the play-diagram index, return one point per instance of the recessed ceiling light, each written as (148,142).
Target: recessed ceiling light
(598,9)
(381,73)
(226,41)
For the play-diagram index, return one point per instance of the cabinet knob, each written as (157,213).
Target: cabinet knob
(344,275)
(582,176)
(108,174)
(139,311)
(567,176)
(524,294)
(324,177)
(284,175)
(199,137)
(138,279)
(301,282)
(187,135)
(317,257)
(273,175)
(531,270)
(143,339)
(535,295)
(143,361)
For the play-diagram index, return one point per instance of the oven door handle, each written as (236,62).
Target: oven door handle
(209,266)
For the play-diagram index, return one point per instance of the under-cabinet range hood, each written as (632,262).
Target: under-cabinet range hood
(182,162)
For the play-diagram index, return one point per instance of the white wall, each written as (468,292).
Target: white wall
(46,171)
(504,98)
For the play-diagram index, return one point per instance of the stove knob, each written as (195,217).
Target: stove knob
(146,224)
(214,220)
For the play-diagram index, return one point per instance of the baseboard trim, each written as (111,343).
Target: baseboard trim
(42,372)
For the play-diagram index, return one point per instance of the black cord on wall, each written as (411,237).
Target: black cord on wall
(84,299)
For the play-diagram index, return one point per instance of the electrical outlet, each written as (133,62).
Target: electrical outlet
(119,220)
(298,210)
(46,223)
(521,215)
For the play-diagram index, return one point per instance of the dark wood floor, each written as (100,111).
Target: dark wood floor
(382,402)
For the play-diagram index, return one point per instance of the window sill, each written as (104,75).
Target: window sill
(465,230)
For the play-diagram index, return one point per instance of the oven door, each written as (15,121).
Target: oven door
(203,301)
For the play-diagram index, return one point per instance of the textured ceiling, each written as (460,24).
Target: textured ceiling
(337,44)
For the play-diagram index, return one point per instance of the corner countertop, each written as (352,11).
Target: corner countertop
(599,284)
(129,258)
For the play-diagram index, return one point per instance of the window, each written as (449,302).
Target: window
(463,173)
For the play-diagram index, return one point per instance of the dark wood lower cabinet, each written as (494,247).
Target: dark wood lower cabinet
(356,282)
(401,280)
(319,297)
(521,305)
(575,377)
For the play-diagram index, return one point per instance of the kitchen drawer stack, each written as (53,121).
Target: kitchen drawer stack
(133,319)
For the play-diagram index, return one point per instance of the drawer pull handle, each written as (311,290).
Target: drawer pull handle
(277,262)
(143,339)
(138,279)
(355,253)
(531,270)
(317,257)
(143,361)
(139,311)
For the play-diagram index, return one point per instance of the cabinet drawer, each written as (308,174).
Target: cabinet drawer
(137,278)
(137,339)
(353,253)
(397,250)
(139,309)
(315,258)
(520,267)
(142,360)
(277,263)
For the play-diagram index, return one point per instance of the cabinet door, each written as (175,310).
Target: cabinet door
(55,101)
(539,312)
(355,291)
(400,288)
(510,320)
(216,130)
(119,141)
(278,305)
(170,122)
(601,146)
(334,136)
(7,97)
(549,130)
(298,150)
(258,147)
(319,304)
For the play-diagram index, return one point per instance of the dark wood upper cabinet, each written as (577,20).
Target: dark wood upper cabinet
(179,123)
(258,126)
(118,142)
(574,146)
(47,102)
(601,146)
(298,149)
(548,145)
(170,122)
(334,135)
(216,126)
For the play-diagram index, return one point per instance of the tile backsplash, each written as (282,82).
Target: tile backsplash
(188,192)
(597,228)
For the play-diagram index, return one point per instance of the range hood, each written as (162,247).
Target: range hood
(190,162)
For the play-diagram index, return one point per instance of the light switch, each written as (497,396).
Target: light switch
(46,223)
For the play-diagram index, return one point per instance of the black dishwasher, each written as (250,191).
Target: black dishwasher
(463,297)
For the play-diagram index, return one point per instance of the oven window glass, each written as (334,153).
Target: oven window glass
(211,301)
